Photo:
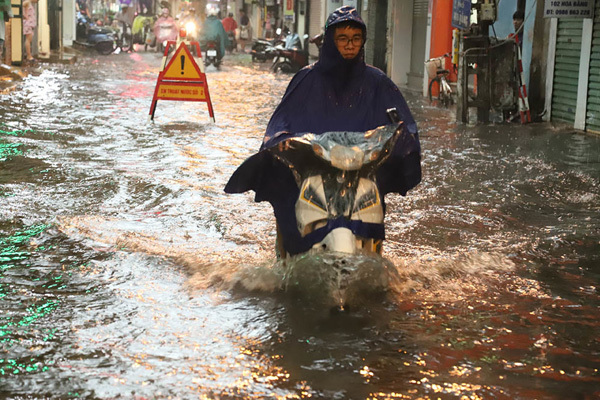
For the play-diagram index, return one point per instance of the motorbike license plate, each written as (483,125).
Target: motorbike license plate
(211,53)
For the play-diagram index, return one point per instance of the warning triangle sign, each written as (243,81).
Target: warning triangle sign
(182,66)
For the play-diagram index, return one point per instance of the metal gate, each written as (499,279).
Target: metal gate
(592,119)
(566,69)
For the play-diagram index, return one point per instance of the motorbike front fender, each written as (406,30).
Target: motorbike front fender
(340,240)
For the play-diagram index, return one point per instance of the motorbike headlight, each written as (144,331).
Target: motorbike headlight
(190,27)
(347,158)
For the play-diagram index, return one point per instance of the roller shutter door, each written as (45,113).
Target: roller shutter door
(592,115)
(566,69)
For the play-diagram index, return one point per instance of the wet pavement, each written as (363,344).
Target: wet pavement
(126,272)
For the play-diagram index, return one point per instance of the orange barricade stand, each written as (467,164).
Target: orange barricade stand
(181,79)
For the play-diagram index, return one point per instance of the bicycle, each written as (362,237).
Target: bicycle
(438,75)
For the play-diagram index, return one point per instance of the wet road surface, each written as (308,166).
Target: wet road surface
(126,272)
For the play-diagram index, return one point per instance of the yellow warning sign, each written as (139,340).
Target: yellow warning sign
(181,79)
(182,65)
(177,91)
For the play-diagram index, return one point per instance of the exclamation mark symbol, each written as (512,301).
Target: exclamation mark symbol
(182,63)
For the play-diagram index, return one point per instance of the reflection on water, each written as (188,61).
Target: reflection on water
(125,271)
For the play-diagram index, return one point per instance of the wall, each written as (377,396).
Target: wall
(400,31)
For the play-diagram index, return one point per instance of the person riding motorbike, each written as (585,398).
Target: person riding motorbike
(230,25)
(340,92)
(165,28)
(213,30)
(192,24)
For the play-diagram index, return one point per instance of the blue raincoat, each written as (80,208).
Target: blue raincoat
(333,94)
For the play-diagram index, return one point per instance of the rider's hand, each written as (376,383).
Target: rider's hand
(283,146)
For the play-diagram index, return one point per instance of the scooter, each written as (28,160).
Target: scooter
(190,32)
(142,31)
(292,57)
(90,35)
(124,35)
(264,49)
(339,210)
(164,32)
(232,44)
(212,54)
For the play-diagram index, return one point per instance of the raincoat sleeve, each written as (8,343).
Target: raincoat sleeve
(279,126)
(402,170)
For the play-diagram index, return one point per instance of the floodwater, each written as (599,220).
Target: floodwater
(126,272)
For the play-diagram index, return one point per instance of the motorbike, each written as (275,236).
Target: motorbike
(124,35)
(211,54)
(190,33)
(165,31)
(142,31)
(292,57)
(232,43)
(317,40)
(265,49)
(339,210)
(90,35)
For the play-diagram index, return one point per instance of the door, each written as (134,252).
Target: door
(592,115)
(419,35)
(566,70)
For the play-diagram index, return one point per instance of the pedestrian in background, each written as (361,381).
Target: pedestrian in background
(245,33)
(29,25)
(518,18)
(5,15)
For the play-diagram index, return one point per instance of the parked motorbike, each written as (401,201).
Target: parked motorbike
(124,35)
(142,31)
(265,49)
(212,54)
(317,40)
(90,35)
(292,57)
(339,210)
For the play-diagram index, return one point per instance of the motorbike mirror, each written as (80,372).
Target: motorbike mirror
(393,115)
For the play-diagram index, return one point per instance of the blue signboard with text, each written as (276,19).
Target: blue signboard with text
(461,14)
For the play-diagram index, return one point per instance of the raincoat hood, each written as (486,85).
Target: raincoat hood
(330,60)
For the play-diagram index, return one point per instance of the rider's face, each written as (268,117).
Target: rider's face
(348,41)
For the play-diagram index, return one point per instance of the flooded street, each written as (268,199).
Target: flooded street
(127,272)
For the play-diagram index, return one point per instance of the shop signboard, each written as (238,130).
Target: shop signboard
(569,9)
(461,14)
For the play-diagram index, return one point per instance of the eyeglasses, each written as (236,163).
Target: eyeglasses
(344,40)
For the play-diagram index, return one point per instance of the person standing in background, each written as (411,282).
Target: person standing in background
(29,25)
(245,31)
(5,15)
(518,18)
